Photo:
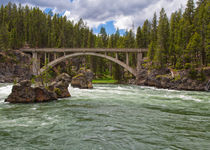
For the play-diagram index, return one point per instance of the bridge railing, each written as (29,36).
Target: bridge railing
(61,50)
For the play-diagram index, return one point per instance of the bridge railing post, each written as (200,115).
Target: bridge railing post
(127,58)
(55,56)
(116,56)
(45,58)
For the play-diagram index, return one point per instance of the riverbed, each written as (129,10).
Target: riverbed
(108,117)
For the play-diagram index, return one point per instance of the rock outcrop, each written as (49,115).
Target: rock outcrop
(83,79)
(165,78)
(23,92)
(13,63)
(60,85)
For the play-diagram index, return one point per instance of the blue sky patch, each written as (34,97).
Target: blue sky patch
(109,26)
(48,11)
(61,14)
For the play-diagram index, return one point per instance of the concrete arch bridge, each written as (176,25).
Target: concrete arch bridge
(61,54)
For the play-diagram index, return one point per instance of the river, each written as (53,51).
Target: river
(108,117)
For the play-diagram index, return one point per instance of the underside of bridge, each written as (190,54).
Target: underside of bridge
(83,52)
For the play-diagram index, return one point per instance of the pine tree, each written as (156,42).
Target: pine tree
(4,37)
(1,14)
(161,55)
(189,11)
(188,26)
(104,38)
(139,41)
(172,44)
(201,22)
(146,34)
(194,49)
(153,43)
(91,40)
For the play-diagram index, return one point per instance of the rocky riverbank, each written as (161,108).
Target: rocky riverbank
(179,80)
(15,66)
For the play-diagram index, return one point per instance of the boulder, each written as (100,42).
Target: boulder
(21,94)
(25,83)
(24,93)
(44,95)
(83,80)
(60,85)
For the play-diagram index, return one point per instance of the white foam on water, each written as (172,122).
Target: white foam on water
(4,92)
(184,97)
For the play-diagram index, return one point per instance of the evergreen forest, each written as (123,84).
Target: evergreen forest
(179,41)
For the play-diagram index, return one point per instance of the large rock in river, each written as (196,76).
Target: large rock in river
(60,85)
(24,93)
(83,80)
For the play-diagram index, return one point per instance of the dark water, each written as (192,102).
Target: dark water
(109,117)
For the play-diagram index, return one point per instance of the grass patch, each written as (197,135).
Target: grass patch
(104,81)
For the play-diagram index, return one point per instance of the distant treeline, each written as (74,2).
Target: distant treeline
(183,41)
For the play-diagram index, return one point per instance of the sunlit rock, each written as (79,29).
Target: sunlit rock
(60,85)
(83,79)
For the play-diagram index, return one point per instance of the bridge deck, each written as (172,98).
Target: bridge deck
(62,50)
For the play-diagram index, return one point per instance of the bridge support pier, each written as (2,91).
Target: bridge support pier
(36,63)
(139,61)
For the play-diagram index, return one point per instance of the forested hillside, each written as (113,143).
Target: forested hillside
(181,42)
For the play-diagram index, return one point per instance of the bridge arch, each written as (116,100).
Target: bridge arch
(60,59)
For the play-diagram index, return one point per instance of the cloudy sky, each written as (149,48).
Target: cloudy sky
(111,14)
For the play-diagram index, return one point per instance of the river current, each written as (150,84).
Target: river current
(108,117)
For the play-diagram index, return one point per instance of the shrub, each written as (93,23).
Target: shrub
(193,73)
(177,77)
(187,66)
(201,76)
(179,64)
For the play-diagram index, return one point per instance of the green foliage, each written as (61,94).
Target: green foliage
(151,52)
(57,91)
(201,76)
(45,77)
(179,64)
(197,75)
(177,77)
(139,43)
(193,73)
(4,37)
(15,82)
(146,30)
(33,80)
(187,66)
(161,56)
(104,81)
(194,49)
